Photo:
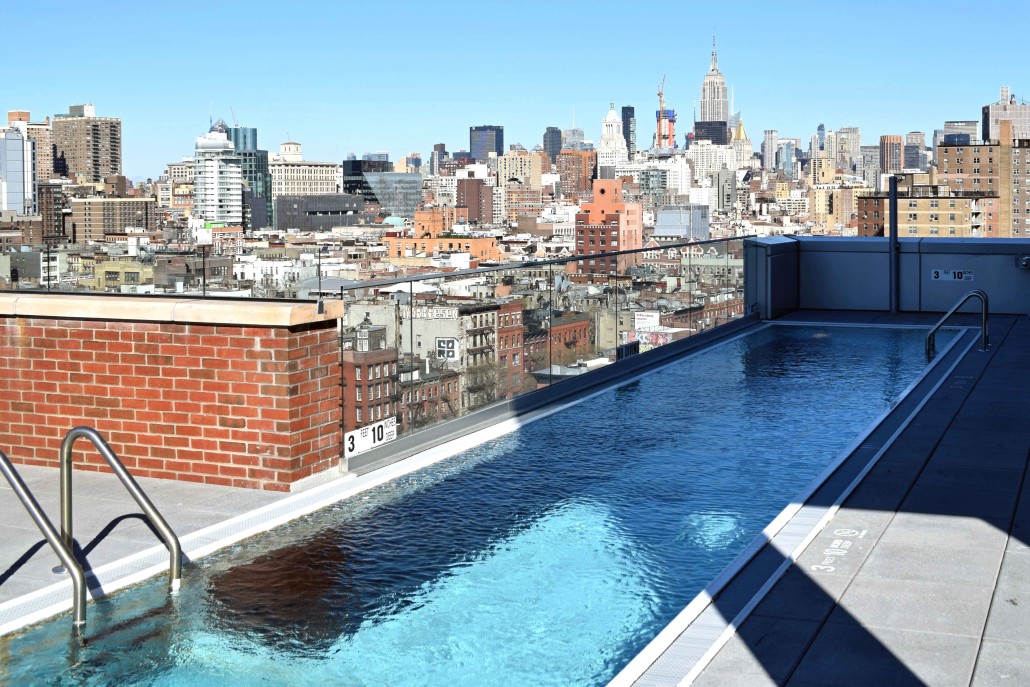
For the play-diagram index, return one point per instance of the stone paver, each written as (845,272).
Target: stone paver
(939,592)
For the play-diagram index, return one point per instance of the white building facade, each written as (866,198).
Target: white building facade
(217,180)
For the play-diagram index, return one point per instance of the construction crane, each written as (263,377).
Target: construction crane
(235,121)
(665,137)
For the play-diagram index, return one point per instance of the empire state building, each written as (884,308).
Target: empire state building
(712,126)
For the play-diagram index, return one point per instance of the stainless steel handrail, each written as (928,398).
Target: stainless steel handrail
(63,550)
(174,549)
(984,309)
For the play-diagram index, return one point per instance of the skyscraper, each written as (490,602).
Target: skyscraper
(1006,109)
(821,134)
(915,150)
(892,154)
(629,130)
(572,139)
(849,147)
(17,170)
(611,150)
(254,165)
(714,96)
(769,149)
(87,146)
(486,139)
(552,142)
(438,155)
(217,179)
(42,134)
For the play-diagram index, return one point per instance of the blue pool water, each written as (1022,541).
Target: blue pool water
(549,556)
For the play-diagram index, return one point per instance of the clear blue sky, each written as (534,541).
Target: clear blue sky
(396,75)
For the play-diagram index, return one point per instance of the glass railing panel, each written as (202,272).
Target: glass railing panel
(458,342)
(577,325)
(371,359)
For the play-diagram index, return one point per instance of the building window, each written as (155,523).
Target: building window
(357,414)
(357,373)
(357,393)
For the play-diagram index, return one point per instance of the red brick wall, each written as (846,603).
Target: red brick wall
(243,406)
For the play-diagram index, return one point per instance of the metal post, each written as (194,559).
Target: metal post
(48,266)
(130,484)
(343,392)
(892,249)
(203,269)
(58,543)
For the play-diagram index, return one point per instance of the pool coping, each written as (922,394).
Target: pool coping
(693,638)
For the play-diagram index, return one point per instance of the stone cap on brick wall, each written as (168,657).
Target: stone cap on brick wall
(243,311)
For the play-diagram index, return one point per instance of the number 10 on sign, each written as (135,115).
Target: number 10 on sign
(367,438)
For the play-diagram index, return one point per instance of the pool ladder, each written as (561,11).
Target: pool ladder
(63,543)
(975,293)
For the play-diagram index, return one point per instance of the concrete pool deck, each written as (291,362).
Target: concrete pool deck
(930,589)
(923,575)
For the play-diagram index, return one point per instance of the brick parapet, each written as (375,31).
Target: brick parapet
(253,402)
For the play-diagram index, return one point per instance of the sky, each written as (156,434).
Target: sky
(401,75)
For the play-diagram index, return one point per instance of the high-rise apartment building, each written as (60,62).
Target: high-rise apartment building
(477,198)
(849,147)
(436,158)
(552,142)
(999,171)
(869,165)
(217,180)
(103,219)
(629,130)
(520,166)
(926,208)
(892,154)
(577,170)
(486,139)
(1006,109)
(87,148)
(17,170)
(42,134)
(769,148)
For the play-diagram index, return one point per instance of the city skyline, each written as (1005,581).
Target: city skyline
(434,72)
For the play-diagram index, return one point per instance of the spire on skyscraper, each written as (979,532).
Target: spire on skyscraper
(715,65)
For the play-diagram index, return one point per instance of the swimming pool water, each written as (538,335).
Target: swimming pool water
(549,556)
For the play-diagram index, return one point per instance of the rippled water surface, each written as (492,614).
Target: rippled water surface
(549,556)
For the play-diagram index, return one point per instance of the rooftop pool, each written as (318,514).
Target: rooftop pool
(548,556)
